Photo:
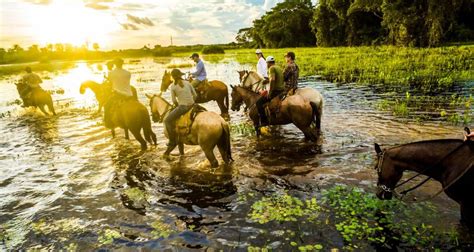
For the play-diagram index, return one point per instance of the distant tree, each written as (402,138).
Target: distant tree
(2,54)
(286,25)
(244,36)
(96,46)
(59,48)
(33,49)
(16,49)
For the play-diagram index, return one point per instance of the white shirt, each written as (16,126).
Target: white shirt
(262,67)
(120,79)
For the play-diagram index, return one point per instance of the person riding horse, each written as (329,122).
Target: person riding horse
(200,75)
(261,64)
(277,87)
(291,73)
(183,96)
(31,81)
(121,89)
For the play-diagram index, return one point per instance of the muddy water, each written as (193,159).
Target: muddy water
(64,181)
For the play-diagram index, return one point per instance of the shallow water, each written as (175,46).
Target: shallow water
(67,171)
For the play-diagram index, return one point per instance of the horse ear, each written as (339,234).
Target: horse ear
(149,96)
(378,150)
(232,86)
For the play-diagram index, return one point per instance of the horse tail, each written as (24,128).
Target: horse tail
(150,136)
(224,142)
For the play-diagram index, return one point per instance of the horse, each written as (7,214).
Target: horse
(130,114)
(217,91)
(294,109)
(101,91)
(208,130)
(39,98)
(448,161)
(252,80)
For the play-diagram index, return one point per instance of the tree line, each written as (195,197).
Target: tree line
(419,23)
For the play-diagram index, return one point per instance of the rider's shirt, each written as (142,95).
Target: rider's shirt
(276,74)
(291,74)
(262,67)
(32,80)
(183,96)
(200,73)
(120,79)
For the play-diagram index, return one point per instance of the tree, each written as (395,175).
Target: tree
(244,36)
(95,46)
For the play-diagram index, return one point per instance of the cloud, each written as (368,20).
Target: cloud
(97,6)
(130,27)
(138,20)
(40,2)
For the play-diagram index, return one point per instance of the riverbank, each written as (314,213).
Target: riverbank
(425,69)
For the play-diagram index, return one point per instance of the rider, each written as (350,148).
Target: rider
(183,96)
(121,89)
(32,81)
(470,136)
(261,65)
(291,73)
(277,87)
(200,74)
(110,67)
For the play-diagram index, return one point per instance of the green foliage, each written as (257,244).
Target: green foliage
(135,194)
(161,229)
(213,49)
(286,25)
(46,227)
(107,236)
(243,129)
(283,208)
(360,217)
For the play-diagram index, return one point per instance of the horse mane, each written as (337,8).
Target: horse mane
(434,141)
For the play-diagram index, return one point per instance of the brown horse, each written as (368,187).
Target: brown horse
(101,91)
(38,98)
(217,92)
(129,114)
(294,109)
(208,130)
(449,161)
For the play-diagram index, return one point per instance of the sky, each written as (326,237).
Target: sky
(118,24)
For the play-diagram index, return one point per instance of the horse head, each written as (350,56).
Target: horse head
(242,74)
(82,88)
(166,81)
(158,107)
(237,98)
(388,175)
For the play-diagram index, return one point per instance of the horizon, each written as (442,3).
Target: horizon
(126,24)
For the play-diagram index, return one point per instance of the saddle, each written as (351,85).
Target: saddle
(273,106)
(185,122)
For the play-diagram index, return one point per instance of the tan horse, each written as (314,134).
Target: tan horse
(208,130)
(252,80)
(131,115)
(294,109)
(217,91)
(101,91)
(39,98)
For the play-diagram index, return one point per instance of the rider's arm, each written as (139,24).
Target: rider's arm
(193,92)
(173,96)
(272,76)
(469,137)
(199,68)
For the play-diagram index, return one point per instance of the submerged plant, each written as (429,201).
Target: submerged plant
(107,236)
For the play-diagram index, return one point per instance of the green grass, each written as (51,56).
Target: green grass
(428,69)
(37,67)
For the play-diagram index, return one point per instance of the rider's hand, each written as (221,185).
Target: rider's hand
(264,93)
(469,137)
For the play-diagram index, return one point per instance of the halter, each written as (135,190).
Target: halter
(247,75)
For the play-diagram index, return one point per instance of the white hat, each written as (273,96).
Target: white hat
(258,51)
(270,59)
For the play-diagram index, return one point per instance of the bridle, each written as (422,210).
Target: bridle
(155,111)
(386,188)
(246,76)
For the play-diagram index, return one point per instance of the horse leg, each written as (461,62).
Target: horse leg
(127,136)
(43,110)
(51,108)
(211,157)
(113,132)
(257,131)
(222,107)
(181,148)
(138,136)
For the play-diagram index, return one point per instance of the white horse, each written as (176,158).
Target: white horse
(208,130)
(252,80)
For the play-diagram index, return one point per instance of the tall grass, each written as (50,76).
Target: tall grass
(427,69)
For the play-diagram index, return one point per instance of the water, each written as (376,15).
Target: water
(64,181)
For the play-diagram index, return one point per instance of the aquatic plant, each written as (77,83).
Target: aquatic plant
(68,225)
(107,236)
(161,229)
(243,129)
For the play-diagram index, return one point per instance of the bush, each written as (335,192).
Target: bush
(213,50)
(162,52)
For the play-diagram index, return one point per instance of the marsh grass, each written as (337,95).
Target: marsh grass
(426,69)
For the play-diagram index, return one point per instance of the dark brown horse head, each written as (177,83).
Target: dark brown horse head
(166,81)
(388,175)
(237,99)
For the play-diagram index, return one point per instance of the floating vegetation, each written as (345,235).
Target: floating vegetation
(242,129)
(46,226)
(161,229)
(107,236)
